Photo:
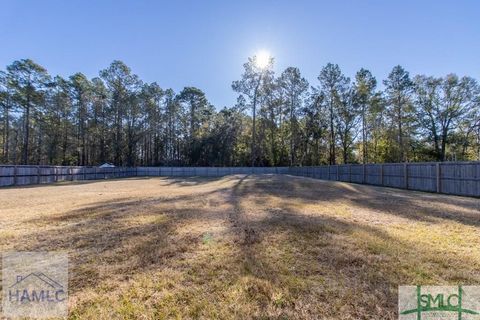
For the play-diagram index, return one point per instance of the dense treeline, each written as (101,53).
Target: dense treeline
(277,120)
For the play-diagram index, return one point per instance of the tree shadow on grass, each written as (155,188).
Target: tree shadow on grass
(189,181)
(341,261)
(70,183)
(279,261)
(413,205)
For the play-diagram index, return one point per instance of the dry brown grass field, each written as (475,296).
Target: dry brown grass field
(243,247)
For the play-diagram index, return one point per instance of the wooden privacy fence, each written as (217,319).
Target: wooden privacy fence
(459,178)
(208,171)
(16,175)
(24,175)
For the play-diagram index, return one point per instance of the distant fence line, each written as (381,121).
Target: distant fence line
(458,178)
(207,171)
(18,175)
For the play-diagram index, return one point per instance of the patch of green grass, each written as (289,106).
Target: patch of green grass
(207,238)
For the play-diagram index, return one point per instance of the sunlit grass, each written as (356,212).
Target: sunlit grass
(244,247)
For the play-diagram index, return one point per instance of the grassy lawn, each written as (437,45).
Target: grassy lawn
(243,247)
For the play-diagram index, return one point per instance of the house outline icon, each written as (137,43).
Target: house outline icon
(35,276)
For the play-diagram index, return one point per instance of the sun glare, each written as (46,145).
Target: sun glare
(262,59)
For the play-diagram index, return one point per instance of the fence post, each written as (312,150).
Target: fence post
(363,174)
(338,178)
(15,179)
(38,174)
(84,174)
(405,174)
(439,186)
(381,174)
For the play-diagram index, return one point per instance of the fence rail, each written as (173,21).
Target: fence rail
(458,178)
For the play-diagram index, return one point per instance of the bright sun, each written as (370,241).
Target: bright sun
(262,59)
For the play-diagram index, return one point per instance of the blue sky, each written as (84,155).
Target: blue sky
(205,43)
